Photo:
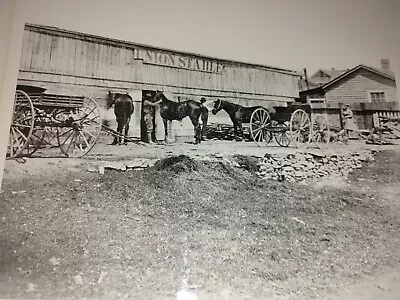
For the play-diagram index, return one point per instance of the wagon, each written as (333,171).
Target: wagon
(42,120)
(294,124)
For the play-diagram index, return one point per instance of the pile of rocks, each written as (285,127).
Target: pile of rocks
(311,165)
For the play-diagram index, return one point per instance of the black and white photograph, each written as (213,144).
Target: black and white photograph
(196,150)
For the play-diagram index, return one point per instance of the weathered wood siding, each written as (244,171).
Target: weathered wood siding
(48,53)
(74,63)
(356,88)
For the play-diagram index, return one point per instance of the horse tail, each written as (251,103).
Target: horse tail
(131,106)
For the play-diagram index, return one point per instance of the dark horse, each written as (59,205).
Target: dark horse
(123,110)
(237,113)
(171,110)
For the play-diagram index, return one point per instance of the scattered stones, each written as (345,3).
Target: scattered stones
(310,165)
(78,280)
(17,192)
(31,287)
(115,166)
(136,164)
(54,261)
(91,169)
(102,275)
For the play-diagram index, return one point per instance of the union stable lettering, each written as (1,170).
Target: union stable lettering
(177,61)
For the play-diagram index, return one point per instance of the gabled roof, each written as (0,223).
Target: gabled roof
(330,73)
(384,73)
(380,72)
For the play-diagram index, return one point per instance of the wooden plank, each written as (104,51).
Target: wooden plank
(121,63)
(99,62)
(25,57)
(71,56)
(132,65)
(36,52)
(89,59)
(77,56)
(95,60)
(63,64)
(46,53)
(84,57)
(128,66)
(30,50)
(110,63)
(55,56)
(106,61)
(115,63)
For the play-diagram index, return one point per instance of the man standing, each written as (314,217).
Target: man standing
(203,118)
(349,124)
(148,116)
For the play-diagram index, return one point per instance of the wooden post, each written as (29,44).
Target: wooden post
(375,120)
(306,78)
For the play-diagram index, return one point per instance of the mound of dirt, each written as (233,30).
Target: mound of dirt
(177,164)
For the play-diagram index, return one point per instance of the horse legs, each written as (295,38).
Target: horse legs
(235,128)
(117,137)
(204,119)
(165,121)
(197,130)
(126,131)
(240,131)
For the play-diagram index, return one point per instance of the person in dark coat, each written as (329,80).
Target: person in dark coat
(204,118)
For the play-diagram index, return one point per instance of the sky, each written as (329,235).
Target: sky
(291,34)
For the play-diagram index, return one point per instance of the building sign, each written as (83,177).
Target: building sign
(180,61)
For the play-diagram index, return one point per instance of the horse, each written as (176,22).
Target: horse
(171,110)
(237,113)
(123,110)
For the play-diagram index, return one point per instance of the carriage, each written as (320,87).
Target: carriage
(71,124)
(292,125)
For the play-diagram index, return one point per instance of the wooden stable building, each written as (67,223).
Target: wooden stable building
(73,63)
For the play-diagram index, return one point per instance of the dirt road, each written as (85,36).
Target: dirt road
(196,230)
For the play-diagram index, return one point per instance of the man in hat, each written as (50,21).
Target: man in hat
(204,118)
(148,115)
(348,120)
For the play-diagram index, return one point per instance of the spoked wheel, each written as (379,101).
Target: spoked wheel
(300,127)
(22,124)
(42,138)
(281,135)
(320,129)
(260,127)
(81,131)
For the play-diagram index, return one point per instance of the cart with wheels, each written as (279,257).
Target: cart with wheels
(287,125)
(41,120)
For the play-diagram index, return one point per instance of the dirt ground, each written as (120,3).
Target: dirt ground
(196,229)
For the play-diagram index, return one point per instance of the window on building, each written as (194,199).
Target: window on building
(377,96)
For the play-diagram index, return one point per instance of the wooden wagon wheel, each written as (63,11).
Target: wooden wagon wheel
(320,129)
(43,137)
(281,135)
(79,138)
(22,124)
(300,127)
(260,130)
